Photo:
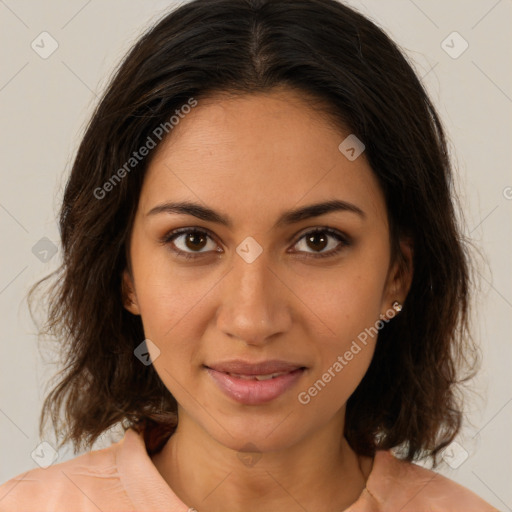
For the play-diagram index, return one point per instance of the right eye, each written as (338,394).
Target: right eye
(184,241)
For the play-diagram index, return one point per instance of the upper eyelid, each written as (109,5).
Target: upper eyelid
(183,231)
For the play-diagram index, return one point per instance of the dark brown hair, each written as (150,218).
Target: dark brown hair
(409,396)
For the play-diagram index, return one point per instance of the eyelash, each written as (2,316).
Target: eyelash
(171,236)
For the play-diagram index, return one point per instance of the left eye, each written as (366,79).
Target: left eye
(319,237)
(192,242)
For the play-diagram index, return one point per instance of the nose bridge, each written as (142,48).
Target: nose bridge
(252,276)
(253,305)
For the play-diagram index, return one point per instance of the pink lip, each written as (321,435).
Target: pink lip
(254,392)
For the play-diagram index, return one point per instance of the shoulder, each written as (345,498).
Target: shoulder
(399,485)
(87,482)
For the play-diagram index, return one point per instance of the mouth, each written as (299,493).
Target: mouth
(257,377)
(255,383)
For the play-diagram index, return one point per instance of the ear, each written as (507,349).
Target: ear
(400,274)
(129,297)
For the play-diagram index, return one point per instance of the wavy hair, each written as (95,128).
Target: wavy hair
(409,396)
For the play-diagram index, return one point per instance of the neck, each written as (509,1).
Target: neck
(320,473)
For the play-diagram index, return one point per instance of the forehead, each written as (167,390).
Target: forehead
(259,153)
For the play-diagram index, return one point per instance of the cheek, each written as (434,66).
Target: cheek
(347,302)
(172,311)
(343,353)
(170,302)
(347,298)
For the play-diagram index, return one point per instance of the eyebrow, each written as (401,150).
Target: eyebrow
(286,218)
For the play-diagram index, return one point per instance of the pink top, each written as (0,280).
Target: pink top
(122,477)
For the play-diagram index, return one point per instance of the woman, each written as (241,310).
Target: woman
(263,281)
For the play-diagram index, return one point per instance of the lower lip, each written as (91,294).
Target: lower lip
(254,392)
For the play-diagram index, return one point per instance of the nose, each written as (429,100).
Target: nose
(254,303)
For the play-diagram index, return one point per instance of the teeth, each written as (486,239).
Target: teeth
(267,377)
(258,377)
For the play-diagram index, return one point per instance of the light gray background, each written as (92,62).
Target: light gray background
(46,102)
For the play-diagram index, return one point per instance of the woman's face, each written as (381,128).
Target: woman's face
(250,289)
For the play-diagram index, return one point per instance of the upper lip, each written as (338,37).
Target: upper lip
(240,367)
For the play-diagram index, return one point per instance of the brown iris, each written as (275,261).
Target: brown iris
(195,240)
(313,239)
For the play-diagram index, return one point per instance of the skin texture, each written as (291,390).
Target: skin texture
(251,158)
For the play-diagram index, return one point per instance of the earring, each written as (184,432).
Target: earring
(397,306)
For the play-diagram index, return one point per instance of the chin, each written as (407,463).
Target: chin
(250,432)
